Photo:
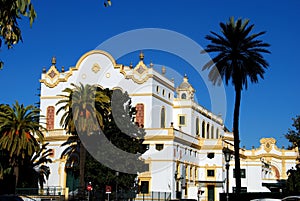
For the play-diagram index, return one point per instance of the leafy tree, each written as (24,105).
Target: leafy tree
(128,138)
(80,105)
(20,133)
(294,135)
(239,59)
(10,12)
(293,181)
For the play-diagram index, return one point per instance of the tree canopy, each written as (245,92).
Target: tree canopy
(129,138)
(22,153)
(11,11)
(83,107)
(293,181)
(20,130)
(293,135)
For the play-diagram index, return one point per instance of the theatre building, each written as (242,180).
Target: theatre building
(184,140)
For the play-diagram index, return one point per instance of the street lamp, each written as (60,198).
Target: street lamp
(227,154)
(117,174)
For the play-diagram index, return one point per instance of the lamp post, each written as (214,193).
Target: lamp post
(227,154)
(117,174)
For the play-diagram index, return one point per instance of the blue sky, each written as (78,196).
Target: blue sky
(67,29)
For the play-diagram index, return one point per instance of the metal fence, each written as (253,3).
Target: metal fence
(57,193)
(51,190)
(154,196)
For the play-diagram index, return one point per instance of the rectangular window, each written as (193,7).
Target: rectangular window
(181,120)
(139,117)
(144,188)
(210,173)
(159,147)
(243,173)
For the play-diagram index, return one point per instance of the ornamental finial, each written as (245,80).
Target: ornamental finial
(163,70)
(142,55)
(53,61)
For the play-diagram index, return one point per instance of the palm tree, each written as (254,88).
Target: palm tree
(33,170)
(81,105)
(38,162)
(20,132)
(239,59)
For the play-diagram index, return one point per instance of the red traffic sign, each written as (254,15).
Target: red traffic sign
(89,187)
(108,189)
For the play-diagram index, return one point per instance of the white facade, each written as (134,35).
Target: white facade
(186,141)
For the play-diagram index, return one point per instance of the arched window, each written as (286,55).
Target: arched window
(183,96)
(50,117)
(212,132)
(217,133)
(207,130)
(163,117)
(197,126)
(203,129)
(139,116)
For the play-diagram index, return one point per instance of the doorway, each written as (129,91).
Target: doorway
(211,193)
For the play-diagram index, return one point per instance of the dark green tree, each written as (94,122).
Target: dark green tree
(293,181)
(34,170)
(293,135)
(129,138)
(81,105)
(239,59)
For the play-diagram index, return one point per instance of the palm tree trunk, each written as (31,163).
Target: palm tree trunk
(81,166)
(16,174)
(237,139)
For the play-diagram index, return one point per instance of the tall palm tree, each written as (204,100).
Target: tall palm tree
(20,132)
(81,105)
(239,59)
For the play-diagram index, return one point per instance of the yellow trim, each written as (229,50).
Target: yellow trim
(227,138)
(185,120)
(158,137)
(206,113)
(51,97)
(154,95)
(55,138)
(163,100)
(156,78)
(283,172)
(96,68)
(70,72)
